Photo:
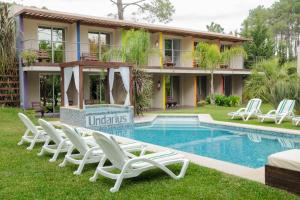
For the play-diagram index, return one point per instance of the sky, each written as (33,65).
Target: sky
(194,14)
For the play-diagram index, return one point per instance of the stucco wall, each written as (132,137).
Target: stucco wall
(187,46)
(157,97)
(187,90)
(154,58)
(237,62)
(33,87)
(237,85)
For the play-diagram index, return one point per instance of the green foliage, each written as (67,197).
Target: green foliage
(7,38)
(143,88)
(282,52)
(262,44)
(214,27)
(29,57)
(273,27)
(136,49)
(222,100)
(273,82)
(209,56)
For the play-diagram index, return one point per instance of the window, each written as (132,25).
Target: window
(172,51)
(52,41)
(224,47)
(99,43)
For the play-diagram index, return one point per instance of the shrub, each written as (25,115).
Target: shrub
(29,56)
(222,100)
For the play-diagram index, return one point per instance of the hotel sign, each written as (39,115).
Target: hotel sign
(100,120)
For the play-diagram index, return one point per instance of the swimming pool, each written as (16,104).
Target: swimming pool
(243,146)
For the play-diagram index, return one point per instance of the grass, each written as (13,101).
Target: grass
(24,175)
(219,113)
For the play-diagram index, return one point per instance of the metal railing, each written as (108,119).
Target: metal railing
(62,51)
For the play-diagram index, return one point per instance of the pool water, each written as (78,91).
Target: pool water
(247,147)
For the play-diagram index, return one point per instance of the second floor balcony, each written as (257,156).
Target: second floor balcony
(55,52)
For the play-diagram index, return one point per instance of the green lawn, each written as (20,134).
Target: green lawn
(24,175)
(220,113)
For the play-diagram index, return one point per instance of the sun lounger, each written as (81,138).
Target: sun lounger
(284,111)
(132,167)
(252,109)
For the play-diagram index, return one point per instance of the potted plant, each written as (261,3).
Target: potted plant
(29,57)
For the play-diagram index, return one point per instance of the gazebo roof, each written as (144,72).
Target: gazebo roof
(95,64)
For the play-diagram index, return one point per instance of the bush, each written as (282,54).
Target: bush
(222,100)
(29,56)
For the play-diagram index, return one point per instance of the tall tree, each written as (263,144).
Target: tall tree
(255,27)
(214,27)
(149,10)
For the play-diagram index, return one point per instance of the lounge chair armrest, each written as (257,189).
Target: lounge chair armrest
(271,111)
(241,109)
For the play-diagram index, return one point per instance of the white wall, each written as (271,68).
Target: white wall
(187,47)
(33,93)
(157,97)
(187,90)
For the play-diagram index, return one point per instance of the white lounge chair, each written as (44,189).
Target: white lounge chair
(61,144)
(284,111)
(132,167)
(296,121)
(89,150)
(38,134)
(252,109)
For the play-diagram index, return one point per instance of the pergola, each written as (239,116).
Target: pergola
(75,69)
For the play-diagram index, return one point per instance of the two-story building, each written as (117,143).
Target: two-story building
(59,37)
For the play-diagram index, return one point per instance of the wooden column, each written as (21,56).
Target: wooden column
(62,85)
(81,88)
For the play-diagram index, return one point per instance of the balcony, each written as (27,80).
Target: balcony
(55,52)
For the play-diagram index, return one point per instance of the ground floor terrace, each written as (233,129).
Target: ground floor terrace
(172,88)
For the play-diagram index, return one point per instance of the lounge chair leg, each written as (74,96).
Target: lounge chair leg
(53,159)
(21,142)
(64,163)
(183,169)
(31,145)
(117,184)
(94,177)
(80,168)
(41,152)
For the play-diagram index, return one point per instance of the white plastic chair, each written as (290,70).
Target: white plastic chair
(87,154)
(89,150)
(283,111)
(60,145)
(132,167)
(252,109)
(37,134)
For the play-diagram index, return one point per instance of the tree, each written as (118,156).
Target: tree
(149,10)
(136,49)
(255,27)
(209,56)
(214,27)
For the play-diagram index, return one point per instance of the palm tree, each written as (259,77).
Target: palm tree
(136,49)
(209,56)
(273,82)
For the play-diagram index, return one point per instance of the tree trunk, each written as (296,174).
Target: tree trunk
(212,89)
(120,10)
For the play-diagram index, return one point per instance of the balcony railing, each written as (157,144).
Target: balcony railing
(61,51)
